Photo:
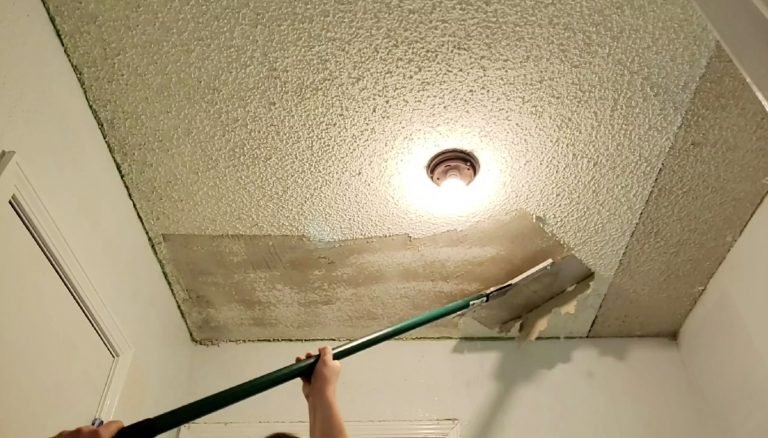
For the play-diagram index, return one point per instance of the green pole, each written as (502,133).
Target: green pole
(174,418)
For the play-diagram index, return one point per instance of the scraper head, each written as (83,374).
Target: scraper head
(546,283)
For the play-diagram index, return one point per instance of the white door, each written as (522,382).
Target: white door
(54,366)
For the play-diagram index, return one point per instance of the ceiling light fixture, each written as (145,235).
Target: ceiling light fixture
(453,167)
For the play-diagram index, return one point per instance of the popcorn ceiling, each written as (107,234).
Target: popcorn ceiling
(308,118)
(707,190)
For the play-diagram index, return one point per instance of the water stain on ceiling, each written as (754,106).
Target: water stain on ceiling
(253,120)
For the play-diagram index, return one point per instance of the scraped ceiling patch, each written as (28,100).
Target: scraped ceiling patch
(267,287)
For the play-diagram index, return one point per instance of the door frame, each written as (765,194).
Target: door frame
(17,190)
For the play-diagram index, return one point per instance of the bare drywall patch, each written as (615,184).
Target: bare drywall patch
(705,193)
(278,287)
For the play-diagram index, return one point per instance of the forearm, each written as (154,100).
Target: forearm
(325,417)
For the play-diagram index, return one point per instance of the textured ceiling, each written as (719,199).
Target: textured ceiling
(712,180)
(276,118)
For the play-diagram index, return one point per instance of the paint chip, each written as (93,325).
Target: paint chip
(570,307)
(538,326)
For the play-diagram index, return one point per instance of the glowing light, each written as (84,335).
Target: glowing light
(452,199)
(453,185)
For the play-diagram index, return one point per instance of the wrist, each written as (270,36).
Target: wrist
(323,395)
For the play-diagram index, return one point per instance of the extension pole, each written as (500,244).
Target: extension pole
(151,427)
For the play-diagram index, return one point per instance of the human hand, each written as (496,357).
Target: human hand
(107,430)
(324,378)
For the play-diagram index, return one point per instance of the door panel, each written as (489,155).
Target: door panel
(54,365)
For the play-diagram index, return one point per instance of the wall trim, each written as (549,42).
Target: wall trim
(355,429)
(17,189)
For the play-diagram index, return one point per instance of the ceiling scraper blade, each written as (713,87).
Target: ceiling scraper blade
(529,292)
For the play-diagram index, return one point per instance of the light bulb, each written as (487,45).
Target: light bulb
(453,189)
(453,184)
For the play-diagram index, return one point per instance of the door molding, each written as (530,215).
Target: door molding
(17,190)
(355,429)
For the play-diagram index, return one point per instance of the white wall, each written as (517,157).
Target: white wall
(742,28)
(573,388)
(724,342)
(45,118)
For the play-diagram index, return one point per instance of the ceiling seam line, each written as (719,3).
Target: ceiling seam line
(654,185)
(102,131)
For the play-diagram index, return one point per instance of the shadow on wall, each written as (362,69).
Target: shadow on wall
(521,361)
